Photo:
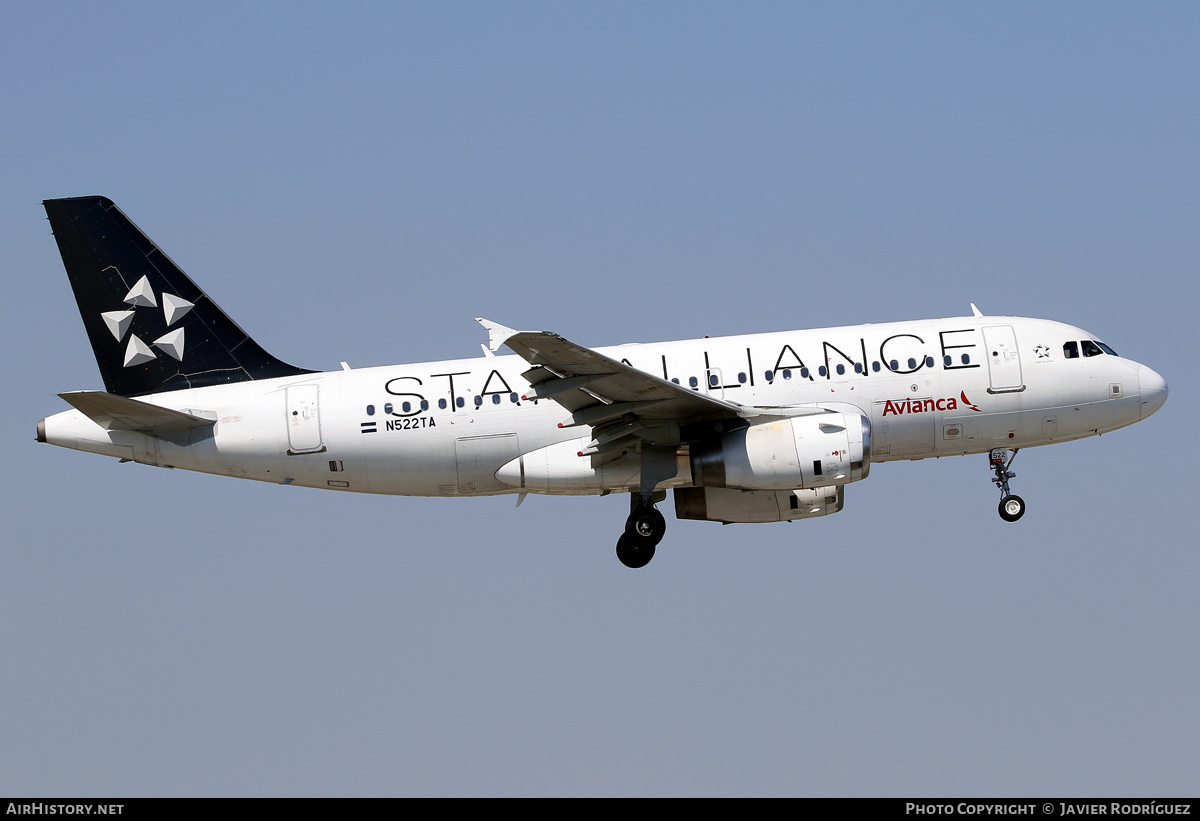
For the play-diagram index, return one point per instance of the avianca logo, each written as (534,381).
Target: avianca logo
(903,406)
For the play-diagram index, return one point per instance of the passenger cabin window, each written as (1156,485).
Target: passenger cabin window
(1071,350)
(370,410)
(442,404)
(1090,348)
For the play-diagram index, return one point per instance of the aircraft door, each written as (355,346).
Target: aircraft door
(1004,361)
(304,419)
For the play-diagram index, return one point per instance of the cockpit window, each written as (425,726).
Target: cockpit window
(1071,350)
(1090,348)
(1106,349)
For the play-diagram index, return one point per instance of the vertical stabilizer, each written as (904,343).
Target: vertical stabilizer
(151,328)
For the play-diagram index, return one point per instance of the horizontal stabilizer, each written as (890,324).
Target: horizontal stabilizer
(121,413)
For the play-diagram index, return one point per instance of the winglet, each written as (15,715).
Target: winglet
(497,333)
(974,310)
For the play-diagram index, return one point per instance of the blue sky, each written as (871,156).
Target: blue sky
(358,183)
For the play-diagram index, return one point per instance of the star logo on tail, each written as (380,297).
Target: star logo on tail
(171,343)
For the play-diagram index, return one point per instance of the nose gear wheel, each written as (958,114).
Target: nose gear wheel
(1012,506)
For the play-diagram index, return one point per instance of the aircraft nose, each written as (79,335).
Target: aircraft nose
(1153,388)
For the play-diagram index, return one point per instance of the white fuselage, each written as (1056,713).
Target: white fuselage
(929,388)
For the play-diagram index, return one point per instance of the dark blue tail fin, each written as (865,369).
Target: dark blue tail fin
(151,328)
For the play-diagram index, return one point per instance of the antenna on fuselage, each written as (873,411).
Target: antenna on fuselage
(974,310)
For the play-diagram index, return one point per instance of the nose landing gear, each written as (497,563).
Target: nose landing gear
(1012,506)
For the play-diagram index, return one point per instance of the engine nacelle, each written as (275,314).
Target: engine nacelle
(797,452)
(718,504)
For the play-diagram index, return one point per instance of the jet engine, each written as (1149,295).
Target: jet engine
(797,452)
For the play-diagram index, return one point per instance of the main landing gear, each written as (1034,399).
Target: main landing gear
(645,526)
(644,529)
(1012,506)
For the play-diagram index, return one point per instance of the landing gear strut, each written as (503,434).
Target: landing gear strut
(645,526)
(644,529)
(1012,506)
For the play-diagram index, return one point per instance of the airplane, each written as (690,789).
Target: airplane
(757,428)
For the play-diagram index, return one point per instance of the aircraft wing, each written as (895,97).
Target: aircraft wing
(621,403)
